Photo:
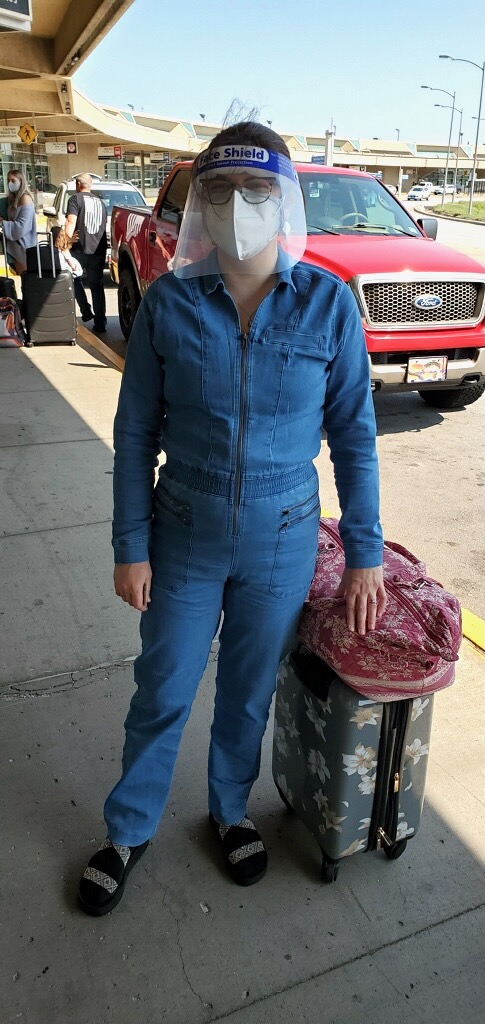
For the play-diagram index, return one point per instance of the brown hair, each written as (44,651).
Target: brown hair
(250,133)
(62,240)
(24,190)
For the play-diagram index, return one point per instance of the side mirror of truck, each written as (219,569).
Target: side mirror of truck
(429,225)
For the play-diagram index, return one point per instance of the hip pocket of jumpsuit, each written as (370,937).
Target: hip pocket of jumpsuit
(296,548)
(171,540)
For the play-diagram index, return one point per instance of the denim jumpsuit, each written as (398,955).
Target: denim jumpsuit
(232,523)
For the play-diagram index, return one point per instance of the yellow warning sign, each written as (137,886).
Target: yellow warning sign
(27,133)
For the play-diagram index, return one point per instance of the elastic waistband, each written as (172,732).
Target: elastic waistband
(223,484)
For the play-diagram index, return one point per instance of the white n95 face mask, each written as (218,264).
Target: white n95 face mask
(240,229)
(14,186)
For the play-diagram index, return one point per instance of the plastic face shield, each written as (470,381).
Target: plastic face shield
(242,199)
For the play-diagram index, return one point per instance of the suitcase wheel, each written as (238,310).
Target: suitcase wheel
(285,801)
(330,869)
(395,851)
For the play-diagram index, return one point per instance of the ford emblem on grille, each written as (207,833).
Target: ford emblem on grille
(428,302)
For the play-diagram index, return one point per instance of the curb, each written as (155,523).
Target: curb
(429,211)
(94,342)
(473,628)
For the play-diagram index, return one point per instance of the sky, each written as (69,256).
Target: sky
(302,63)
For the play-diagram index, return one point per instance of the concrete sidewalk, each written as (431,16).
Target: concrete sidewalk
(389,940)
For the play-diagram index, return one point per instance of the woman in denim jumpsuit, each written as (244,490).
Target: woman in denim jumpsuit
(237,402)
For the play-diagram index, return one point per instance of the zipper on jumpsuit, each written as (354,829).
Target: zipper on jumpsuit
(242,409)
(240,432)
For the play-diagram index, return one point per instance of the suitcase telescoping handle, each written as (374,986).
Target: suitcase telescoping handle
(47,234)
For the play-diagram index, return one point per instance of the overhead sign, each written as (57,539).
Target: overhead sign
(9,133)
(60,148)
(16,15)
(115,152)
(27,134)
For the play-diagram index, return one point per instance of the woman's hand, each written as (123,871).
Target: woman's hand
(133,583)
(365,597)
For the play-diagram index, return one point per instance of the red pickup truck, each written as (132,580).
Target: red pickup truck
(422,304)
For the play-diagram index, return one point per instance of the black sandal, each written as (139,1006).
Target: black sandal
(245,854)
(103,882)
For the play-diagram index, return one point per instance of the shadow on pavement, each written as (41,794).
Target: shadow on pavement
(186,946)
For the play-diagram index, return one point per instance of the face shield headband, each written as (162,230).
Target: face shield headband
(241,200)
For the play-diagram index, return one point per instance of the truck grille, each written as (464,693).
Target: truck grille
(391,303)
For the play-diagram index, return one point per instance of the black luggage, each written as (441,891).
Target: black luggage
(7,284)
(48,299)
(7,288)
(11,329)
(353,769)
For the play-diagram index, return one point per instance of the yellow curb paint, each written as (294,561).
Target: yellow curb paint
(473,628)
(100,346)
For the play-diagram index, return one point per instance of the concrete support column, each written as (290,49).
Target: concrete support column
(142,171)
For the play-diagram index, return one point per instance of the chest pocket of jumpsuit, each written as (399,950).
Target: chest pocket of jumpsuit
(171,536)
(291,371)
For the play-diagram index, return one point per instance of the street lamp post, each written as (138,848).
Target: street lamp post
(452,94)
(446,106)
(398,130)
(481,67)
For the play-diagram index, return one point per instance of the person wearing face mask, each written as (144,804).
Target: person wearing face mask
(19,228)
(235,361)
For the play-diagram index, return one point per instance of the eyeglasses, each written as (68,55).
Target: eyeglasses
(254,191)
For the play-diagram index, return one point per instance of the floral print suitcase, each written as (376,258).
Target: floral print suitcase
(353,769)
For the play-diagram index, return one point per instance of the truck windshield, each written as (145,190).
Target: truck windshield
(344,204)
(115,197)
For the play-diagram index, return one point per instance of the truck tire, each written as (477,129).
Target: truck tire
(453,398)
(128,301)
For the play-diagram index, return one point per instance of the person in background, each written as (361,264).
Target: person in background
(19,228)
(235,361)
(86,216)
(64,244)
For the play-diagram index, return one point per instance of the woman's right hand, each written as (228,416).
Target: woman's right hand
(132,583)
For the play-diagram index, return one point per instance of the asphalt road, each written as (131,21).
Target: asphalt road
(431,463)
(468,238)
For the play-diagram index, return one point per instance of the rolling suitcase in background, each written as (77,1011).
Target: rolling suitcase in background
(48,297)
(352,768)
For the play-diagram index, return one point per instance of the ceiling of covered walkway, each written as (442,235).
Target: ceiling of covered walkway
(36,66)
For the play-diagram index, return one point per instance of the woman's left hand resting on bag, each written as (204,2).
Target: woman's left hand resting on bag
(365,597)
(132,584)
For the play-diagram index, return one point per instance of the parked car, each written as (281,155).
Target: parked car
(449,190)
(420,192)
(119,193)
(422,304)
